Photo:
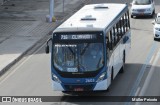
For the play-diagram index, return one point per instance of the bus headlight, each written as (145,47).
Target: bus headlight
(55,78)
(101,77)
(134,10)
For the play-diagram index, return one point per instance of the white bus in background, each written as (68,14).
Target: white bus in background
(90,48)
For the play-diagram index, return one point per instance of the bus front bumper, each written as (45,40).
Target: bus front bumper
(102,85)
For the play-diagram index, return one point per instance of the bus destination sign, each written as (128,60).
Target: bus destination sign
(78,37)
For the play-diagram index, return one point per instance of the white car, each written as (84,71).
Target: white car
(142,8)
(156,27)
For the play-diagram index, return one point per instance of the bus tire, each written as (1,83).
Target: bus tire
(122,69)
(66,92)
(108,89)
(112,75)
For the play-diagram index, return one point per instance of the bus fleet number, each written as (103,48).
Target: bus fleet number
(90,80)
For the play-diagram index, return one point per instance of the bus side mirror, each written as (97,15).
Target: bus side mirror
(153,22)
(47,49)
(47,46)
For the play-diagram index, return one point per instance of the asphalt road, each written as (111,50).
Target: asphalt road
(32,77)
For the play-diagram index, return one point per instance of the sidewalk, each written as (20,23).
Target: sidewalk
(22,25)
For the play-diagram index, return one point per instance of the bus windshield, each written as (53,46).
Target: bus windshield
(78,57)
(141,2)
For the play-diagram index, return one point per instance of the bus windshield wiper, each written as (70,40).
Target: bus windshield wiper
(99,62)
(84,49)
(71,50)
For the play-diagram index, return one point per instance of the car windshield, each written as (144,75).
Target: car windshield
(158,20)
(78,57)
(141,2)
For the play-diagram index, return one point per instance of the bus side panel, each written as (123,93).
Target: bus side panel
(109,71)
(116,61)
(128,43)
(121,51)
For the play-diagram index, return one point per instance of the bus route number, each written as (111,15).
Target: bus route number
(64,37)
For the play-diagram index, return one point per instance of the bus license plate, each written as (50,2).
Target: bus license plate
(78,89)
(142,13)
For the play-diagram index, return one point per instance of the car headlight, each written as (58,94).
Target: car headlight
(101,77)
(148,9)
(55,78)
(134,10)
(158,29)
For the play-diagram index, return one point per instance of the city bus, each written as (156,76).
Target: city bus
(90,48)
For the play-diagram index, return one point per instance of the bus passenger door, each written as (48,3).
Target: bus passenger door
(116,51)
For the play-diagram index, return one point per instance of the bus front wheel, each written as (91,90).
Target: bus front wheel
(108,89)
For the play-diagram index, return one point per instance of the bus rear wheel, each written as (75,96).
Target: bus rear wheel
(122,69)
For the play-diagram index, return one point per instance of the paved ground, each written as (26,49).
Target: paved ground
(23,24)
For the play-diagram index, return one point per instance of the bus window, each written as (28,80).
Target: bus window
(117,32)
(114,36)
(123,25)
(128,22)
(120,28)
(109,41)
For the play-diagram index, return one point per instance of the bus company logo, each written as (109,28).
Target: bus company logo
(78,80)
(6,99)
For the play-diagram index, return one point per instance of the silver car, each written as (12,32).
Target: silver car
(156,27)
(142,8)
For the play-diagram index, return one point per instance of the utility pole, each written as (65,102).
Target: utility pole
(63,6)
(51,17)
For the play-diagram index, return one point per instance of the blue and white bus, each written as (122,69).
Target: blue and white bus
(89,49)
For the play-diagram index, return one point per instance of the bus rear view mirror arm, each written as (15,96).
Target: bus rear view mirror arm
(47,46)
(153,22)
(110,46)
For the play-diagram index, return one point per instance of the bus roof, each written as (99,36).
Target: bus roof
(92,17)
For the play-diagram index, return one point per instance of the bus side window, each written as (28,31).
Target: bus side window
(108,41)
(111,38)
(123,24)
(128,21)
(117,32)
(114,36)
(120,28)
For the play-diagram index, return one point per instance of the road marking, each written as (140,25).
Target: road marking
(146,83)
(140,75)
(136,94)
(142,71)
(23,62)
(148,79)
(151,60)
